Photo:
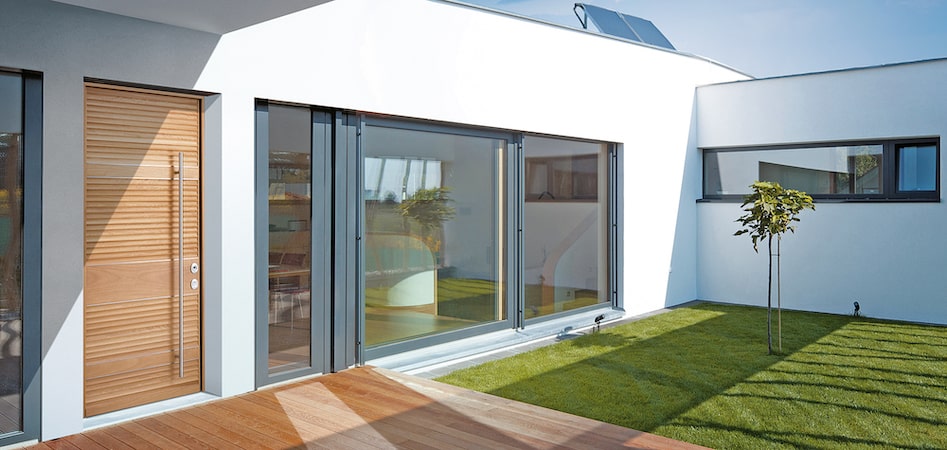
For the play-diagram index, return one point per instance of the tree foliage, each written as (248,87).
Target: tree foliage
(771,211)
(430,208)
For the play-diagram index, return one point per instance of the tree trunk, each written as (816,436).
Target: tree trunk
(769,298)
(779,295)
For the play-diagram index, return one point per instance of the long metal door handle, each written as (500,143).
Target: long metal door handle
(181,264)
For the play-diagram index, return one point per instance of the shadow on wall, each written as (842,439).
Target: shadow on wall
(684,271)
(69,44)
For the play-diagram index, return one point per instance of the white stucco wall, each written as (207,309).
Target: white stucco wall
(890,257)
(440,61)
(416,58)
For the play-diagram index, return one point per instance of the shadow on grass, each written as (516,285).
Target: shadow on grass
(848,388)
(648,376)
(699,371)
(897,332)
(848,378)
(792,438)
(862,368)
(903,355)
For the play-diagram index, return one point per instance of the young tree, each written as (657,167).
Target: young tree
(771,211)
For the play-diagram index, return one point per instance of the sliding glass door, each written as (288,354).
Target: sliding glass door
(434,230)
(564,223)
(378,235)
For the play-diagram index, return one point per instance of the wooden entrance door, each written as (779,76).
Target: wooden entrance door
(137,347)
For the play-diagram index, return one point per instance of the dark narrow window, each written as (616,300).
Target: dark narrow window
(20,254)
(290,238)
(293,257)
(11,247)
(883,170)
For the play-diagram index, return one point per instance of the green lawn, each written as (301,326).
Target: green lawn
(701,374)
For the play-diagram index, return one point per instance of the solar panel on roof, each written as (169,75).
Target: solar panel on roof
(610,22)
(646,30)
(622,25)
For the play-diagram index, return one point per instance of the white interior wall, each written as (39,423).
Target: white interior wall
(887,256)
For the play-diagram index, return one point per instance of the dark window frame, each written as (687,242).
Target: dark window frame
(32,175)
(890,170)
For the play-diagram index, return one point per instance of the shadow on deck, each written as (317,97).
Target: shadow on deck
(362,408)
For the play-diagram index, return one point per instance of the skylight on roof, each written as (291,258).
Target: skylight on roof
(621,25)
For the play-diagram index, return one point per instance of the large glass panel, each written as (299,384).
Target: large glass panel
(917,168)
(433,232)
(565,260)
(822,170)
(11,249)
(290,238)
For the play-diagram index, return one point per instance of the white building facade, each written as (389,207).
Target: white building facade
(203,204)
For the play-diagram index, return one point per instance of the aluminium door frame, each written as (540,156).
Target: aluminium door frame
(32,269)
(510,228)
(320,338)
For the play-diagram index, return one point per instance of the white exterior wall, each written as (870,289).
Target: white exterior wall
(415,58)
(890,257)
(67,44)
(440,61)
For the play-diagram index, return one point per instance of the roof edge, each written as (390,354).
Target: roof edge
(589,32)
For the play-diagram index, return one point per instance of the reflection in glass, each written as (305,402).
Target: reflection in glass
(290,238)
(433,233)
(917,168)
(854,169)
(564,225)
(11,253)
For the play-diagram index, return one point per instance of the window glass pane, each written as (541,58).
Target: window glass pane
(822,170)
(917,168)
(564,225)
(290,238)
(11,249)
(434,236)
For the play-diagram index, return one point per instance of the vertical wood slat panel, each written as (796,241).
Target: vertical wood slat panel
(132,142)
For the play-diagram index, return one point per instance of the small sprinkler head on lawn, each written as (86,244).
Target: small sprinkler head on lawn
(598,322)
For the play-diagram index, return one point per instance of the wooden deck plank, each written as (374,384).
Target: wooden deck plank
(238,438)
(364,408)
(196,432)
(122,434)
(305,432)
(108,441)
(83,442)
(235,428)
(323,422)
(159,425)
(384,428)
(384,403)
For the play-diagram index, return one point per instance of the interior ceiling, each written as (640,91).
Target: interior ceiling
(212,16)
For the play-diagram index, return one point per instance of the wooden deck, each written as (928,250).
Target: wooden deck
(363,408)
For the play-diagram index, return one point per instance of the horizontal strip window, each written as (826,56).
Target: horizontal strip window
(890,170)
